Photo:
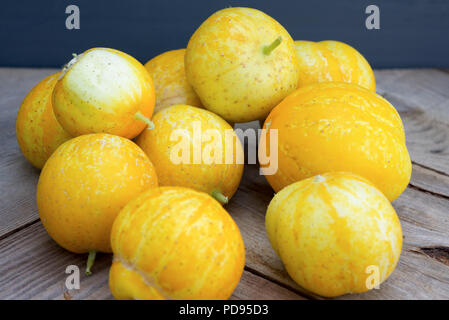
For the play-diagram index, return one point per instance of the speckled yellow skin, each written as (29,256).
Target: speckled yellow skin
(37,130)
(170,82)
(328,229)
(205,177)
(334,126)
(228,70)
(101,92)
(85,184)
(175,243)
(332,61)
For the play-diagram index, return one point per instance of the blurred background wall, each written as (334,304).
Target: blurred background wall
(413,33)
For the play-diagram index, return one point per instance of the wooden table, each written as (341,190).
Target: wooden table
(32,266)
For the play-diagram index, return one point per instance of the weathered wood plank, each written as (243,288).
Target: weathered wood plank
(18,178)
(426,89)
(425,223)
(35,269)
(422,98)
(429,180)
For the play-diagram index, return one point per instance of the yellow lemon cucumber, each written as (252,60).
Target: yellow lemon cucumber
(85,184)
(170,82)
(335,233)
(104,91)
(195,148)
(334,126)
(37,130)
(241,63)
(326,61)
(175,243)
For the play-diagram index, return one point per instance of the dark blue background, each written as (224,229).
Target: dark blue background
(414,33)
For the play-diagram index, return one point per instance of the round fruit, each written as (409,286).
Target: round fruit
(175,243)
(37,130)
(334,126)
(241,63)
(168,73)
(326,61)
(335,233)
(104,91)
(195,148)
(85,184)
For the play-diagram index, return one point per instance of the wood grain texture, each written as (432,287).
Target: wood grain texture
(32,265)
(422,98)
(430,181)
(18,177)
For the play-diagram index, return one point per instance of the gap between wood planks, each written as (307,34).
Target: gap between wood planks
(439,186)
(427,191)
(430,169)
(24,226)
(440,254)
(299,291)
